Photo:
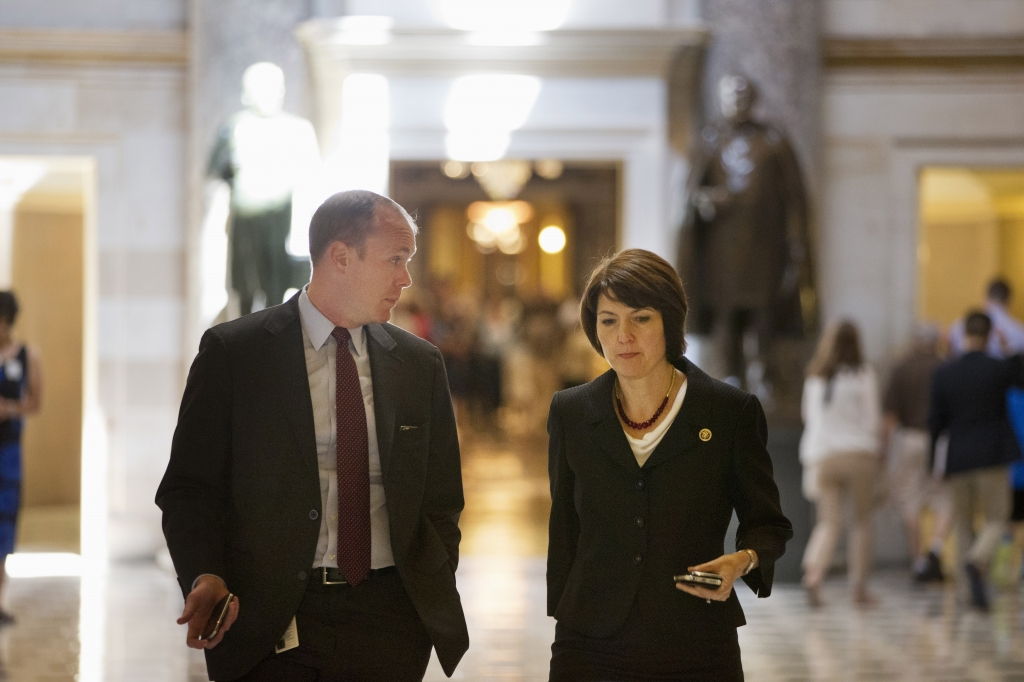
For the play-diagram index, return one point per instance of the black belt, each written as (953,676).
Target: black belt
(328,575)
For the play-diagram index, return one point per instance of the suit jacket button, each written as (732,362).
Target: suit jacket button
(302,575)
(640,484)
(639,522)
(638,558)
(313,514)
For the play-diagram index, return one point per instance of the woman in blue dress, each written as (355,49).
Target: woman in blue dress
(20,393)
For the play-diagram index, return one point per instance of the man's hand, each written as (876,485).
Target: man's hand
(729,566)
(199,605)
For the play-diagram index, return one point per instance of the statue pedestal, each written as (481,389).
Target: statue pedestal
(784,447)
(789,358)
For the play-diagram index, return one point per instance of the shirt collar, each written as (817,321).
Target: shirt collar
(318,328)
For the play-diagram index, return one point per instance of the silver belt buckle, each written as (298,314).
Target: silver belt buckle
(331,582)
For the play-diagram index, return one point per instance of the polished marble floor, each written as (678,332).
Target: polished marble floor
(120,627)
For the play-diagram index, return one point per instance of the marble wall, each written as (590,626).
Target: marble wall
(959,101)
(94,14)
(128,115)
(923,17)
(880,126)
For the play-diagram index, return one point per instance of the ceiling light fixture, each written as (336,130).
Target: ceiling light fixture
(496,225)
(551,239)
(482,111)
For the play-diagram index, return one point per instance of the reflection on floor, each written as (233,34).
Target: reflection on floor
(125,621)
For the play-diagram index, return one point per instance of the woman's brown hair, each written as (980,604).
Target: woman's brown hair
(839,347)
(638,279)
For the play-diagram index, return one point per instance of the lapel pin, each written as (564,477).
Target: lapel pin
(705,435)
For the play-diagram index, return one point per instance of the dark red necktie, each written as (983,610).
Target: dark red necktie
(353,467)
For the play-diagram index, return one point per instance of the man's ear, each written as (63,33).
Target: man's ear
(339,255)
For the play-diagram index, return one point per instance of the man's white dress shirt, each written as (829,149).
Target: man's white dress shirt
(1002,322)
(321,361)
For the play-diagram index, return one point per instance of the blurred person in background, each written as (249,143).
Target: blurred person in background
(968,401)
(905,439)
(1015,405)
(495,335)
(648,462)
(841,445)
(576,356)
(454,331)
(413,318)
(1007,337)
(21,385)
(541,336)
(1006,340)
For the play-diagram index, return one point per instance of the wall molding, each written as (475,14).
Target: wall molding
(434,52)
(931,52)
(58,46)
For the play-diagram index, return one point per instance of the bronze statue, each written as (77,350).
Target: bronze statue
(265,155)
(744,252)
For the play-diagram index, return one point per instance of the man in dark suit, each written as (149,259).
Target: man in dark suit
(969,402)
(315,474)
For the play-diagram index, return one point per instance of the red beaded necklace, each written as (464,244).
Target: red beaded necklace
(640,426)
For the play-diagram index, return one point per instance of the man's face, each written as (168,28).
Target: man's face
(375,281)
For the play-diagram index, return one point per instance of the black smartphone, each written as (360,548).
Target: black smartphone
(700,579)
(217,616)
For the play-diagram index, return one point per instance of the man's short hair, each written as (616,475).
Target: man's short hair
(8,306)
(638,279)
(999,290)
(978,324)
(349,217)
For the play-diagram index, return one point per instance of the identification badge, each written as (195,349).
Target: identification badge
(13,370)
(290,638)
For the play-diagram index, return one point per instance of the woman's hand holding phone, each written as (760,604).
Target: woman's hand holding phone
(729,566)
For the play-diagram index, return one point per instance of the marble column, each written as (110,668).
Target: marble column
(776,43)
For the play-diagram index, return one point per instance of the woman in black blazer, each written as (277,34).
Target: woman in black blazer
(629,512)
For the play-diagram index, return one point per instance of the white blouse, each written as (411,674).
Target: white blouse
(643,447)
(847,422)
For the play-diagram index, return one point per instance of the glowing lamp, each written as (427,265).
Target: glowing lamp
(551,239)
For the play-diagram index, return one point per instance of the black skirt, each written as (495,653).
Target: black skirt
(647,650)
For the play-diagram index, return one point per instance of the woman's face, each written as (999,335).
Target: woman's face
(633,339)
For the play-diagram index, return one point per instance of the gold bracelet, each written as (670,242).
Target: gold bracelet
(753,560)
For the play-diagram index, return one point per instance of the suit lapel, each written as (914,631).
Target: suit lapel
(385,368)
(694,415)
(286,347)
(606,427)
